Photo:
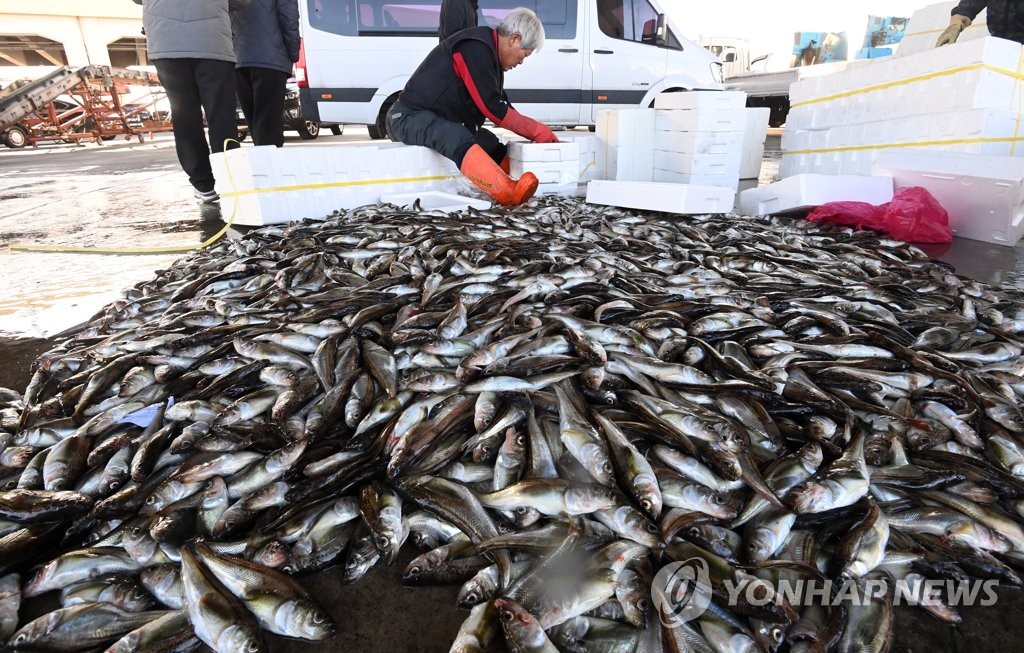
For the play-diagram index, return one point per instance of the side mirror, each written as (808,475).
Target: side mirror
(661,31)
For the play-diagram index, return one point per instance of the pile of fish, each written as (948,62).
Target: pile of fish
(552,402)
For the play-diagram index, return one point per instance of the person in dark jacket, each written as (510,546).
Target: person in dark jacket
(266,35)
(457,87)
(1005,20)
(456,15)
(189,42)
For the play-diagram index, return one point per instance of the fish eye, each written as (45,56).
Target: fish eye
(150,500)
(646,504)
(383,542)
(693,532)
(641,603)
(471,597)
(319,617)
(252,647)
(521,440)
(521,510)
(719,499)
(113,485)
(607,468)
(776,634)
(415,570)
(506,615)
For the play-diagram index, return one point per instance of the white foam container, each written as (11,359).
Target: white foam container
(984,195)
(731,181)
(565,172)
(698,142)
(754,136)
(625,142)
(433,200)
(699,164)
(543,152)
(709,100)
(587,144)
(273,185)
(725,120)
(804,191)
(927,23)
(670,198)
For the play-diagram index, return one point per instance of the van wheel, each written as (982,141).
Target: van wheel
(592,128)
(378,130)
(16,138)
(308,130)
(337,130)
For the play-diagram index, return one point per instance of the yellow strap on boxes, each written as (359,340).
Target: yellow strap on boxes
(331,184)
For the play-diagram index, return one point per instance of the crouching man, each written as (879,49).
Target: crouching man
(460,85)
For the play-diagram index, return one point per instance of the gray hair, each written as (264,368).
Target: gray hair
(524,22)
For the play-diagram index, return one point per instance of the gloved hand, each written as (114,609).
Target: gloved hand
(527,127)
(957,24)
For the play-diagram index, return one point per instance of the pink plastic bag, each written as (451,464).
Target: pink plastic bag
(913,216)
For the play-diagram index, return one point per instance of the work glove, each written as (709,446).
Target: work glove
(957,24)
(527,127)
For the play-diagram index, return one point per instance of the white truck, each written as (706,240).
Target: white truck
(357,56)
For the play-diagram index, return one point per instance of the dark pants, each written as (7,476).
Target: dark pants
(195,86)
(261,94)
(450,139)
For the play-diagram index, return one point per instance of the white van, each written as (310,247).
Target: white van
(598,54)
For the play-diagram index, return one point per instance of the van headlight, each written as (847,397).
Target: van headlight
(716,72)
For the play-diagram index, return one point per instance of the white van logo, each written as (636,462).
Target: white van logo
(681,591)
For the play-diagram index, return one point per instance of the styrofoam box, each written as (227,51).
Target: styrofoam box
(698,142)
(851,149)
(433,200)
(625,143)
(671,198)
(708,100)
(699,164)
(804,191)
(546,152)
(710,179)
(961,76)
(564,172)
(680,120)
(927,23)
(272,185)
(984,195)
(754,136)
(587,143)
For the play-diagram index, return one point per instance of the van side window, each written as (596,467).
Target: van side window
(631,20)
(336,16)
(558,16)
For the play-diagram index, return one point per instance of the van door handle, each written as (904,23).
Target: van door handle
(568,50)
(604,51)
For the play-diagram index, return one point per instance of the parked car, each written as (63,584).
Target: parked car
(293,119)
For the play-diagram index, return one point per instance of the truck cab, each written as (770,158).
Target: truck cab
(598,54)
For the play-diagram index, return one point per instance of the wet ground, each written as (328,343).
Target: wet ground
(134,195)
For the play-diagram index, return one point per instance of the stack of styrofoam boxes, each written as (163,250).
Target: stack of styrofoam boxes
(963,97)
(754,135)
(625,144)
(699,137)
(557,165)
(927,23)
(270,185)
(984,195)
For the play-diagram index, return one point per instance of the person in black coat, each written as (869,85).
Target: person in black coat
(1005,19)
(456,15)
(266,38)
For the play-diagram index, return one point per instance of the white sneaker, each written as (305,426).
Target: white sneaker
(206,197)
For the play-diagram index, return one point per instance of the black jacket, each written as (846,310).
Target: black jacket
(461,80)
(1005,17)
(456,15)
